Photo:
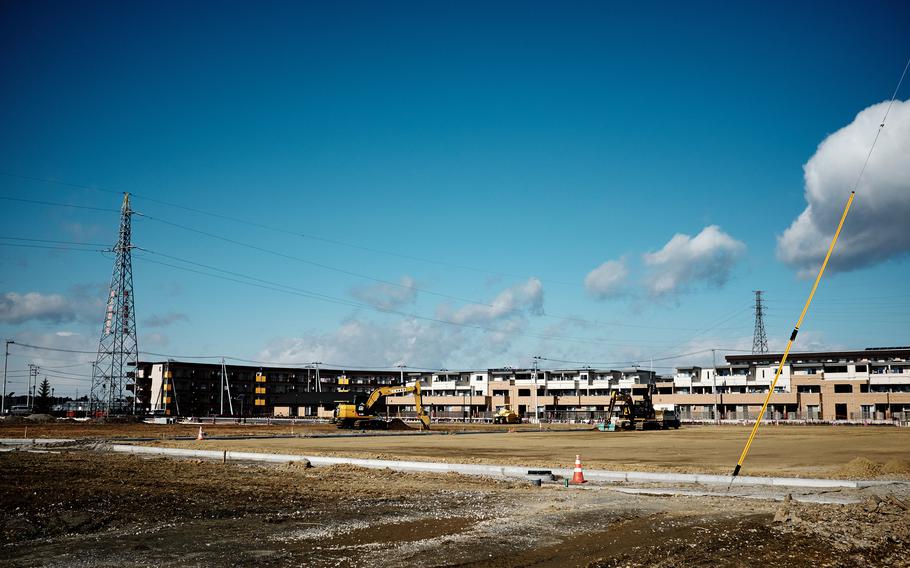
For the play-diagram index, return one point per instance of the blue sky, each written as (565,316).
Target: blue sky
(476,154)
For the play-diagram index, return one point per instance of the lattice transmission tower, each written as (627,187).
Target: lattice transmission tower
(759,337)
(118,347)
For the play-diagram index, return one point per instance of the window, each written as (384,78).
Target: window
(808,388)
(524,392)
(843,388)
(861,368)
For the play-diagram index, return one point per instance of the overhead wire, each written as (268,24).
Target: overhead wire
(381,280)
(317,264)
(640,360)
(333,299)
(306,236)
(317,295)
(58,204)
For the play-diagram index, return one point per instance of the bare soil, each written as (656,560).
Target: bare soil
(24,428)
(82,508)
(796,451)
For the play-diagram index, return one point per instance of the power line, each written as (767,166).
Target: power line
(635,361)
(50,247)
(349,272)
(306,236)
(319,264)
(57,182)
(290,290)
(54,241)
(58,204)
(380,280)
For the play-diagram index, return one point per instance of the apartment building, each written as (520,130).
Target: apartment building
(863,385)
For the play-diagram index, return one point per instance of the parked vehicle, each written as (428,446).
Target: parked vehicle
(20,410)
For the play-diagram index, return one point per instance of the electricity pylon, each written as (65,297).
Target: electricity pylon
(118,347)
(759,337)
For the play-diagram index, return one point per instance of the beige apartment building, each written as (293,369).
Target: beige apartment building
(865,385)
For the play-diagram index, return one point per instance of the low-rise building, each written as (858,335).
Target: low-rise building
(862,385)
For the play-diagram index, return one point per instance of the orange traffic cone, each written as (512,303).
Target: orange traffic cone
(579,476)
(201,435)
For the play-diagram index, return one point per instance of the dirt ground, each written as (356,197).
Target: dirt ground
(22,428)
(84,508)
(863,452)
(797,451)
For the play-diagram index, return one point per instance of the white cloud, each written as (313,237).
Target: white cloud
(877,227)
(18,308)
(82,302)
(420,343)
(387,296)
(367,343)
(607,279)
(707,257)
(511,302)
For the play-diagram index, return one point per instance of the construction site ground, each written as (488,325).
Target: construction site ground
(796,451)
(81,506)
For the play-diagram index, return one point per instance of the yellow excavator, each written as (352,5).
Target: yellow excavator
(361,415)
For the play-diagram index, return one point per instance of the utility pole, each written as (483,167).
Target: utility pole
(5,359)
(32,376)
(226,384)
(118,346)
(402,366)
(534,376)
(759,337)
(318,385)
(221,407)
(714,376)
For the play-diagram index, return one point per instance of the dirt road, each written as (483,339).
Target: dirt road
(81,508)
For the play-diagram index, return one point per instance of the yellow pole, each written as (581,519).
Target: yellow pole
(799,322)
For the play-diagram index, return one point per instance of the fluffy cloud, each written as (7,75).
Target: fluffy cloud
(165,320)
(877,227)
(387,296)
(419,343)
(511,302)
(707,257)
(607,279)
(18,308)
(367,343)
(82,302)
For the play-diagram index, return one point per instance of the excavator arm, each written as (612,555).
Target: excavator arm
(383,392)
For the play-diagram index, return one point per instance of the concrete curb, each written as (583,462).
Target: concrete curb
(205,454)
(494,470)
(33,441)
